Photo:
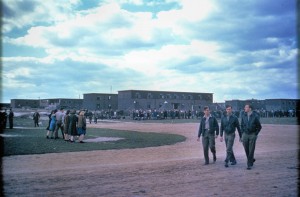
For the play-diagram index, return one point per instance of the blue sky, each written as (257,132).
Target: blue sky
(234,49)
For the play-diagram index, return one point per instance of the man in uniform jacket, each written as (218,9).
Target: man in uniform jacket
(209,130)
(250,126)
(229,123)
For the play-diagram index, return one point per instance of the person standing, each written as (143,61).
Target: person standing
(3,117)
(52,123)
(66,125)
(229,123)
(48,127)
(36,118)
(72,130)
(59,123)
(209,129)
(81,126)
(251,126)
(11,119)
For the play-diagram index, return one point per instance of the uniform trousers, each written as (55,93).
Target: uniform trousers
(249,141)
(229,141)
(208,141)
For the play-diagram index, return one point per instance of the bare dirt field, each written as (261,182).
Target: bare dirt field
(175,170)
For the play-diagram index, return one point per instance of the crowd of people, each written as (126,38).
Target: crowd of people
(70,124)
(191,114)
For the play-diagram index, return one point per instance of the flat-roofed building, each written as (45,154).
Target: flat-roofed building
(282,104)
(100,101)
(66,103)
(25,103)
(162,100)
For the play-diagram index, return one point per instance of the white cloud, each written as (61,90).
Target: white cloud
(189,48)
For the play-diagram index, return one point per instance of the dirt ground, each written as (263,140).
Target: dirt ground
(175,170)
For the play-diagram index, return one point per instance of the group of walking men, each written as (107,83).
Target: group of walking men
(248,131)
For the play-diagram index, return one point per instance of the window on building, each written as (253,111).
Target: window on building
(137,95)
(109,97)
(98,98)
(149,96)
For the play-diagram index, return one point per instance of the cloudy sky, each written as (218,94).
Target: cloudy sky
(234,49)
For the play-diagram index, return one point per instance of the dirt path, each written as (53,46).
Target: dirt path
(175,170)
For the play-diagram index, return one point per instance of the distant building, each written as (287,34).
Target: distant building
(56,103)
(100,101)
(267,104)
(238,105)
(162,100)
(24,103)
(5,105)
(282,104)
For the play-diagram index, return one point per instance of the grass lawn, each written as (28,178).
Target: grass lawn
(25,139)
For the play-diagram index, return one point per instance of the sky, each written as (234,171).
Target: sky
(233,49)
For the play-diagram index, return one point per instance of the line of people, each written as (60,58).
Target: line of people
(3,119)
(69,123)
(248,132)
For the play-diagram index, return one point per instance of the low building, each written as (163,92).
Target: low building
(100,101)
(162,100)
(281,104)
(66,103)
(25,103)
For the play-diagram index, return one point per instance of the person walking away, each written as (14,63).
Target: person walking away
(66,119)
(209,130)
(52,123)
(11,119)
(72,130)
(81,126)
(229,124)
(251,126)
(59,123)
(36,118)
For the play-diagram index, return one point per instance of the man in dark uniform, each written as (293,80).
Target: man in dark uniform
(209,129)
(11,119)
(250,126)
(229,123)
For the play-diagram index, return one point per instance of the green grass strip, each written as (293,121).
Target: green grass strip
(24,141)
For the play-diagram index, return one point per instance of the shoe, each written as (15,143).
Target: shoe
(51,138)
(47,137)
(71,141)
(233,163)
(226,165)
(215,158)
(81,142)
(249,168)
(206,163)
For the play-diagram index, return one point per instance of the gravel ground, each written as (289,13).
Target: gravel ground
(175,170)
